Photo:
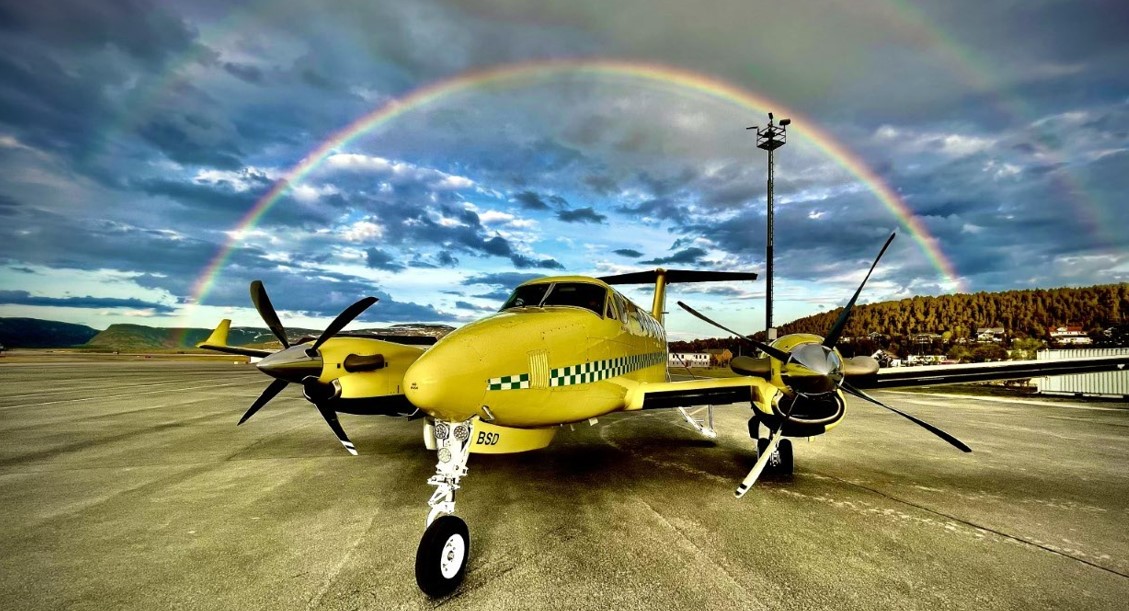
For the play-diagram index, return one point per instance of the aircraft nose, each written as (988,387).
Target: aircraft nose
(447,382)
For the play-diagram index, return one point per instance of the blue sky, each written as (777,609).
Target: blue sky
(135,134)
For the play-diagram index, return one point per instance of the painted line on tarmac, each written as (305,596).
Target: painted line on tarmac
(903,396)
(132,394)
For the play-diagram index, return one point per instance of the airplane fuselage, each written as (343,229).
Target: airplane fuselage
(563,359)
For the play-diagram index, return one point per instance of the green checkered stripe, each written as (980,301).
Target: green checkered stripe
(509,382)
(601,370)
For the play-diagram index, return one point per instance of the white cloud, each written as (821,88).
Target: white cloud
(362,231)
(397,172)
(962,146)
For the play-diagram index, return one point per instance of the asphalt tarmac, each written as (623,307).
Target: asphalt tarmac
(127,485)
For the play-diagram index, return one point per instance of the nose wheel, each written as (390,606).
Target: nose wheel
(442,556)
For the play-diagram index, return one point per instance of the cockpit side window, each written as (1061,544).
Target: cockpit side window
(578,294)
(575,294)
(527,296)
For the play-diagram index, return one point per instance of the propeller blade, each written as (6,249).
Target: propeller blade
(837,328)
(266,311)
(331,419)
(929,427)
(343,319)
(775,353)
(268,394)
(761,463)
(762,460)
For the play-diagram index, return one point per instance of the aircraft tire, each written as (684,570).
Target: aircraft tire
(785,450)
(441,559)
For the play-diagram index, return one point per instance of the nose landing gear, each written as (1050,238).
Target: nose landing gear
(444,549)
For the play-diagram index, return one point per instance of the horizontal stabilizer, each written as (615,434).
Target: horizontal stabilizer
(677,275)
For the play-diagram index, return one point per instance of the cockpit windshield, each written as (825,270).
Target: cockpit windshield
(574,294)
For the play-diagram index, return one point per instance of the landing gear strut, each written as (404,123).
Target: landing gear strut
(444,549)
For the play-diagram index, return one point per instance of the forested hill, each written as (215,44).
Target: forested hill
(1027,313)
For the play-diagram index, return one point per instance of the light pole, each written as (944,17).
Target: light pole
(770,138)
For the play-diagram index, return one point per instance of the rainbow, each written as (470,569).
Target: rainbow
(681,79)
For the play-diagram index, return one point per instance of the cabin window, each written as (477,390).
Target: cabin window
(572,294)
(609,309)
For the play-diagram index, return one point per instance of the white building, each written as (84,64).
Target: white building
(1070,334)
(688,359)
(1113,384)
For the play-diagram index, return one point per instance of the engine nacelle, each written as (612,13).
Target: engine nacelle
(809,415)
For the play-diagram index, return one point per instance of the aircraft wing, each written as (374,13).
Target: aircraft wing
(712,391)
(895,377)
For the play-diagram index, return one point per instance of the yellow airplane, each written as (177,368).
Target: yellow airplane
(570,349)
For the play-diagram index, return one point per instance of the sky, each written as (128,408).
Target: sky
(158,156)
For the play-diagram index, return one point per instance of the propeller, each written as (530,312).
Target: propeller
(775,353)
(837,329)
(814,370)
(929,427)
(301,364)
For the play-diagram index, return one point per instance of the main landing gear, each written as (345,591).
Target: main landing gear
(781,461)
(444,549)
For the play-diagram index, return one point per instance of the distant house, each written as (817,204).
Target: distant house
(990,334)
(688,359)
(1069,334)
(720,356)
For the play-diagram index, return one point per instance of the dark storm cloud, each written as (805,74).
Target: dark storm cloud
(581,215)
(686,256)
(663,209)
(244,72)
(415,225)
(140,28)
(628,252)
(179,137)
(531,201)
(26,298)
(376,258)
(501,279)
(446,259)
(8,205)
(499,295)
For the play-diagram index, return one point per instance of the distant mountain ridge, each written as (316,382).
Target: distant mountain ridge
(1023,313)
(35,333)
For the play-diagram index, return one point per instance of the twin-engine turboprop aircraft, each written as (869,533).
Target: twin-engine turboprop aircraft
(568,349)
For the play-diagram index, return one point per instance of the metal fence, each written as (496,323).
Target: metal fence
(1104,384)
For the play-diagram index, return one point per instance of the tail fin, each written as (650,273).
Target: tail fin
(219,336)
(218,341)
(662,277)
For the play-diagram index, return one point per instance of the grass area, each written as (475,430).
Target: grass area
(704,372)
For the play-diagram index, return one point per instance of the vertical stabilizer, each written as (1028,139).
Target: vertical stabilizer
(219,336)
(659,302)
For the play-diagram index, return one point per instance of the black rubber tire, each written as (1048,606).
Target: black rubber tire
(429,574)
(762,445)
(785,449)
